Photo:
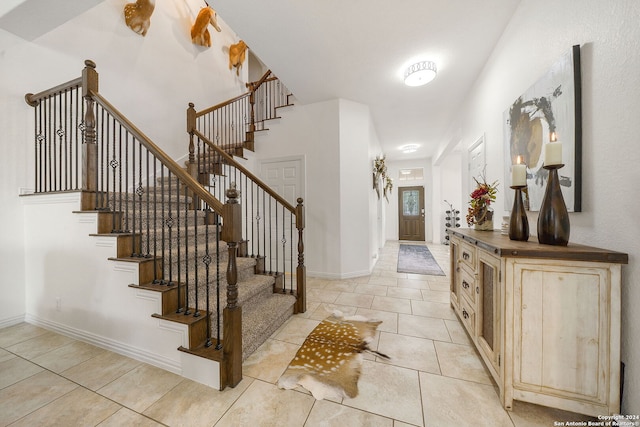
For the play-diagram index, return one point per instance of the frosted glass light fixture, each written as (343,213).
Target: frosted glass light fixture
(409,148)
(420,73)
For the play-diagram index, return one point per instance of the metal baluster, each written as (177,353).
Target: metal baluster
(186,245)
(157,275)
(55,141)
(179,255)
(47,149)
(170,233)
(206,260)
(195,264)
(38,148)
(275,243)
(291,225)
(135,196)
(163,281)
(149,189)
(77,126)
(123,219)
(270,238)
(218,311)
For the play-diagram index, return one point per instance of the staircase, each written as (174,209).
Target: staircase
(204,252)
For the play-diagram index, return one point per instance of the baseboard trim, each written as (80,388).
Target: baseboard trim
(108,344)
(338,276)
(11,321)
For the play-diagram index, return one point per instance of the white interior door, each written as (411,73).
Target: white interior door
(285,177)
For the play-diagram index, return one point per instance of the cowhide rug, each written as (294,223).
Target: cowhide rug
(329,362)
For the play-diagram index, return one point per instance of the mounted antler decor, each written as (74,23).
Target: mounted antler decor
(380,174)
(237,54)
(199,32)
(138,15)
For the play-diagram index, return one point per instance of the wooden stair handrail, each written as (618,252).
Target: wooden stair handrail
(34,99)
(246,171)
(167,161)
(222,104)
(252,88)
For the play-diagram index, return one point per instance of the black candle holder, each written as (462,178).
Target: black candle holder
(553,219)
(518,222)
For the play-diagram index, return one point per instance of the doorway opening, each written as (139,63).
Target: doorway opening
(411,213)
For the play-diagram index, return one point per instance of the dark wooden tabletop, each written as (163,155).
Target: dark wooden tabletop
(500,245)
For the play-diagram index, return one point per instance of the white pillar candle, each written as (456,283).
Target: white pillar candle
(553,153)
(518,174)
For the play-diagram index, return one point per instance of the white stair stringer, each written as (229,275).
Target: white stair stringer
(74,289)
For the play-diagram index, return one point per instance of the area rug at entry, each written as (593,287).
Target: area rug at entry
(417,259)
(329,363)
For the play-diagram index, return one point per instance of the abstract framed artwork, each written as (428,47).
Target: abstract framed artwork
(551,105)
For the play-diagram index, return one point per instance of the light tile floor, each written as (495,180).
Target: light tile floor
(434,377)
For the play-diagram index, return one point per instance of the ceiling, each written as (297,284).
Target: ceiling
(29,19)
(358,50)
(355,50)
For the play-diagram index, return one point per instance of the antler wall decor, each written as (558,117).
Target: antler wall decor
(199,33)
(138,15)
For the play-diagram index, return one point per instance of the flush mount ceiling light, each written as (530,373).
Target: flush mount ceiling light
(409,148)
(420,73)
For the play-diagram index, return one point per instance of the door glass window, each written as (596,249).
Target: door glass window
(410,202)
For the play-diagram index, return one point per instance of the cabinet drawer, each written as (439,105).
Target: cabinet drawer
(468,317)
(467,255)
(467,285)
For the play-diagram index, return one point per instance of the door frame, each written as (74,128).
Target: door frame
(479,144)
(421,207)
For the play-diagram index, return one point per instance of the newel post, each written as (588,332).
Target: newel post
(301,270)
(89,146)
(191,126)
(249,135)
(232,315)
(192,166)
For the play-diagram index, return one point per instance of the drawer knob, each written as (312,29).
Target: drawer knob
(465,284)
(465,314)
(465,255)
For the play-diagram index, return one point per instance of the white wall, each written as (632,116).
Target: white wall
(150,79)
(377,208)
(355,190)
(335,137)
(447,186)
(312,131)
(539,33)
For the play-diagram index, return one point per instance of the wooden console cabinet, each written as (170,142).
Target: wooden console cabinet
(545,319)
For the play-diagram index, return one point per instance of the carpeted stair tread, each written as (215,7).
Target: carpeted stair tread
(250,290)
(245,267)
(260,322)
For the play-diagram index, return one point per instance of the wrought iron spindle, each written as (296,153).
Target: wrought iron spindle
(218,310)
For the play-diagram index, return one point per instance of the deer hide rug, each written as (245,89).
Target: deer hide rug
(329,362)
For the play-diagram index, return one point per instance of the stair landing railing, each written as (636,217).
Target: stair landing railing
(170,224)
(231,125)
(272,228)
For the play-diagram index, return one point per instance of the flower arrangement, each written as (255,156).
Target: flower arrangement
(481,198)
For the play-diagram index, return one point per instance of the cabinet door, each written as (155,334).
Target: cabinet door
(488,313)
(561,329)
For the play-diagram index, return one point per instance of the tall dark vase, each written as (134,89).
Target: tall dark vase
(553,220)
(518,222)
